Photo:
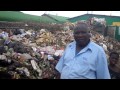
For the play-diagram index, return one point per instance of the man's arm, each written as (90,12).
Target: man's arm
(102,71)
(59,65)
(57,74)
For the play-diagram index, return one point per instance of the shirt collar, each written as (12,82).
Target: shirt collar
(88,47)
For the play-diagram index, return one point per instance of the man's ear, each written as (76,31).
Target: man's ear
(89,34)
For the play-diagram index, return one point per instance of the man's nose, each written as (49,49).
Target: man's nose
(80,34)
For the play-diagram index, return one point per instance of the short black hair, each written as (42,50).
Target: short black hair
(115,54)
(81,25)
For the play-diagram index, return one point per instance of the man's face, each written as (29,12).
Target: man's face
(81,36)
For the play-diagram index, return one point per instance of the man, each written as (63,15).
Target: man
(114,70)
(83,59)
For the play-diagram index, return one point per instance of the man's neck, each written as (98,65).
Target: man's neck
(82,46)
(79,48)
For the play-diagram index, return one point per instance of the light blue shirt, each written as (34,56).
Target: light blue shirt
(89,63)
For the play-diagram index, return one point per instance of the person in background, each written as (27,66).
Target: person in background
(114,70)
(82,58)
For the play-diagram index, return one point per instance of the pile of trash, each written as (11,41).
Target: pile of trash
(33,54)
(45,38)
(98,21)
(30,54)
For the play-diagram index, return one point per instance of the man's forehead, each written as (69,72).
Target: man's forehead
(81,27)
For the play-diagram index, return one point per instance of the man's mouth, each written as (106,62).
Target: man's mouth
(81,39)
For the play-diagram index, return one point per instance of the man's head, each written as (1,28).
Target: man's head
(114,57)
(81,34)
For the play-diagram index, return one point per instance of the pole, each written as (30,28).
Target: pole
(87,12)
(110,13)
(91,12)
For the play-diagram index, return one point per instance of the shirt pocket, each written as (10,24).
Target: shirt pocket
(82,67)
(67,61)
(68,57)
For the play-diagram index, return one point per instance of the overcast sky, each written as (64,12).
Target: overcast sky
(72,13)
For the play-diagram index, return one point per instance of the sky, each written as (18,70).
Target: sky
(71,14)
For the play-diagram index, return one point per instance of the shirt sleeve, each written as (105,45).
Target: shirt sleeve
(60,63)
(102,71)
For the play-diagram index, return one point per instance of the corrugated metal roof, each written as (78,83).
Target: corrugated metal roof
(94,15)
(18,16)
(109,19)
(57,18)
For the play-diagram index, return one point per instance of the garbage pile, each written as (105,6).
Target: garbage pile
(45,38)
(31,54)
(98,21)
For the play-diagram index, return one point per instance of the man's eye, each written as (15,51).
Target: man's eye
(80,33)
